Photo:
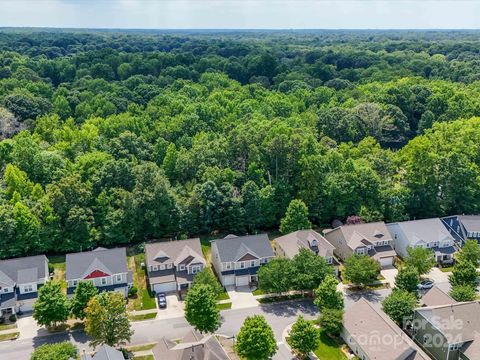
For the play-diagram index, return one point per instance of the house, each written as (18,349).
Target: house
(463,227)
(20,280)
(426,233)
(372,239)
(106,268)
(372,335)
(435,297)
(171,265)
(289,245)
(448,332)
(104,352)
(236,259)
(194,346)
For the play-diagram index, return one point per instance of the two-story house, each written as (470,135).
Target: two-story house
(236,259)
(372,239)
(171,265)
(105,268)
(289,245)
(463,227)
(448,332)
(20,280)
(426,233)
(372,335)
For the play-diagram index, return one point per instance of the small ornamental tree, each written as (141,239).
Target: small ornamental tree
(58,351)
(83,293)
(407,279)
(327,296)
(304,337)
(309,270)
(399,305)
(276,276)
(296,217)
(361,270)
(106,319)
(463,293)
(470,252)
(51,306)
(206,277)
(256,340)
(201,308)
(420,258)
(464,273)
(330,321)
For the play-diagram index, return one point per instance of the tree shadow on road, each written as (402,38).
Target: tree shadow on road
(291,308)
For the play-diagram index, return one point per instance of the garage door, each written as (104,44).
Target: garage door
(388,261)
(165,287)
(242,280)
(228,280)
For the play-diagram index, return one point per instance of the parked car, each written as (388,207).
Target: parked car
(425,284)
(162,300)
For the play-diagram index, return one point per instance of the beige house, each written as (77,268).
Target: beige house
(372,239)
(289,245)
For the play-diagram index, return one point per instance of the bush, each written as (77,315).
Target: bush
(12,318)
(58,351)
(51,268)
(2,320)
(132,292)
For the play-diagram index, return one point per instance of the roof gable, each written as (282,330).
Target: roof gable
(109,261)
(176,251)
(233,248)
(23,270)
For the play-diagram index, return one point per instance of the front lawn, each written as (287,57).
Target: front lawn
(4,327)
(144,357)
(145,347)
(141,317)
(446,269)
(9,336)
(144,300)
(224,306)
(329,349)
(223,296)
(258,292)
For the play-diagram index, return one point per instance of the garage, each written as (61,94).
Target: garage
(26,305)
(228,280)
(386,261)
(165,287)
(242,280)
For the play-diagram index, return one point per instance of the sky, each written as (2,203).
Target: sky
(242,14)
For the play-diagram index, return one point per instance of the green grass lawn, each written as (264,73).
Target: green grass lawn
(223,296)
(446,269)
(329,349)
(59,267)
(142,317)
(7,326)
(258,292)
(144,300)
(144,357)
(9,336)
(224,306)
(137,348)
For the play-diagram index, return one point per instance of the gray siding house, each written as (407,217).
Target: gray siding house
(105,268)
(426,233)
(20,280)
(171,265)
(372,239)
(236,259)
(463,227)
(449,332)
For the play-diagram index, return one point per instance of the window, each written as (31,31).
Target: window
(118,277)
(5,290)
(195,269)
(252,263)
(227,266)
(242,265)
(104,281)
(155,268)
(162,267)
(329,260)
(169,266)
(263,261)
(181,267)
(28,288)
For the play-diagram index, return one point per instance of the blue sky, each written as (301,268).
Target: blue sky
(242,14)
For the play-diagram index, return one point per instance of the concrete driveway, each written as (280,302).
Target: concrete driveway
(389,273)
(241,297)
(175,308)
(438,276)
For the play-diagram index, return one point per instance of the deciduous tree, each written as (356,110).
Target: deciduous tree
(256,340)
(201,308)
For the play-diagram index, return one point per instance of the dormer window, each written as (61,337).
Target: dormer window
(181,267)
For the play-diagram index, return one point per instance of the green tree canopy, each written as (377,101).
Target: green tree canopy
(327,296)
(470,252)
(304,337)
(201,308)
(51,306)
(420,258)
(296,217)
(83,293)
(256,340)
(399,305)
(276,276)
(330,321)
(58,351)
(464,273)
(407,279)
(106,320)
(361,270)
(309,270)
(206,277)
(463,293)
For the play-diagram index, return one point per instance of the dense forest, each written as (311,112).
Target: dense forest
(117,137)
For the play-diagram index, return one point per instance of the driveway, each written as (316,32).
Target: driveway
(389,273)
(175,308)
(438,276)
(241,297)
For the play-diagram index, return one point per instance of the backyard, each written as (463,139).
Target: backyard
(144,300)
(329,348)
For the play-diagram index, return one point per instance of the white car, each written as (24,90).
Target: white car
(425,285)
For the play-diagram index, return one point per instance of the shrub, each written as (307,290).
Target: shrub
(132,292)
(12,318)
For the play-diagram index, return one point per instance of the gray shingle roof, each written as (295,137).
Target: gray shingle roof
(427,230)
(111,261)
(231,249)
(23,270)
(104,352)
(435,297)
(470,222)
(302,239)
(363,234)
(174,252)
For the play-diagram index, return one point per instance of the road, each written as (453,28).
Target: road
(279,316)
